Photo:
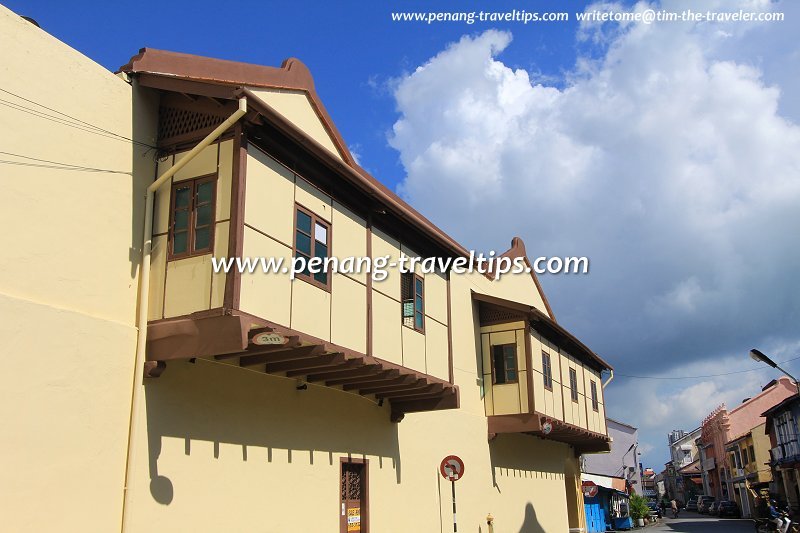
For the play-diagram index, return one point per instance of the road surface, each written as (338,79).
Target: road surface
(697,523)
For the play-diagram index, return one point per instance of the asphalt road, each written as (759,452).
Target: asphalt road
(688,522)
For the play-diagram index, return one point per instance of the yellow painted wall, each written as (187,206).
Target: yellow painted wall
(229,449)
(296,106)
(761,445)
(189,285)
(68,282)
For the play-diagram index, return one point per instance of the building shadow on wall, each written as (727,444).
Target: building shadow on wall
(519,456)
(260,417)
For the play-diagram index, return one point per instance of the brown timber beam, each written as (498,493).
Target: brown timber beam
(308,363)
(259,358)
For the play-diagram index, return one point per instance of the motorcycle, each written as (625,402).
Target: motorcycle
(766,525)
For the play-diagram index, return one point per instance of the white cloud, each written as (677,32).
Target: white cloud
(672,170)
(670,158)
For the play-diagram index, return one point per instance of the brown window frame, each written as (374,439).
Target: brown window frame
(414,278)
(547,371)
(595,398)
(193,184)
(315,219)
(505,369)
(573,384)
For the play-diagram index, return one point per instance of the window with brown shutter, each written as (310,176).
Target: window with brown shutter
(192,217)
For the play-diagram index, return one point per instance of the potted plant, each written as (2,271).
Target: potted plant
(639,509)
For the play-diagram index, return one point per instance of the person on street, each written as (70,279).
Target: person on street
(782,522)
(674,505)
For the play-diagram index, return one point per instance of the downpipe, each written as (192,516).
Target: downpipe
(144,297)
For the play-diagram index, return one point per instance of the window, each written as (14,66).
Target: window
(752,454)
(595,403)
(504,363)
(413,297)
(573,384)
(312,240)
(547,371)
(192,212)
(745,460)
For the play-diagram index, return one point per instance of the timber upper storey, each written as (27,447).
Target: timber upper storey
(282,183)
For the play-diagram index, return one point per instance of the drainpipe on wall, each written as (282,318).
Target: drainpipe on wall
(610,377)
(144,292)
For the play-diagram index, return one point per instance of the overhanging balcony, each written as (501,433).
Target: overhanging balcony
(249,342)
(581,439)
(786,453)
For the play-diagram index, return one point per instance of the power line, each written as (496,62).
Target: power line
(68,121)
(44,163)
(701,376)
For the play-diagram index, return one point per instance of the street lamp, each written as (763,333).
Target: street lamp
(756,355)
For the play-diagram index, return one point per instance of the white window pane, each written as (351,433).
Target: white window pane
(321,233)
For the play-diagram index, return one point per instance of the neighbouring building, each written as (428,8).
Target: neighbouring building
(621,462)
(649,483)
(661,487)
(215,400)
(748,465)
(682,478)
(784,460)
(722,426)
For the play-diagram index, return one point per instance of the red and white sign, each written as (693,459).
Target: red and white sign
(547,427)
(589,489)
(452,468)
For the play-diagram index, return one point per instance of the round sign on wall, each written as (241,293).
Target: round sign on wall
(267,339)
(452,468)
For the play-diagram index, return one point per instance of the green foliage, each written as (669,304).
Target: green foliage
(638,507)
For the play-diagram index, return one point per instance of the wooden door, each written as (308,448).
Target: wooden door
(353,496)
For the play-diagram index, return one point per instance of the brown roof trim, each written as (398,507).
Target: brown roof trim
(179,72)
(547,323)
(292,75)
(356,175)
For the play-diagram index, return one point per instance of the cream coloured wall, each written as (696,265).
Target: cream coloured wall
(515,287)
(339,316)
(226,448)
(68,282)
(184,286)
(296,107)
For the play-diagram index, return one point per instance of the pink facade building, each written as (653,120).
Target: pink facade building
(722,426)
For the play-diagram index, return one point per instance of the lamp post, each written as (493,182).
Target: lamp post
(756,355)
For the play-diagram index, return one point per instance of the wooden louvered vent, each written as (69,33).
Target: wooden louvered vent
(176,125)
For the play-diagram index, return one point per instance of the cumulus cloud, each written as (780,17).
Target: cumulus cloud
(668,155)
(670,168)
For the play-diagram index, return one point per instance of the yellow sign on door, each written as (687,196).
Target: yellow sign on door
(354,519)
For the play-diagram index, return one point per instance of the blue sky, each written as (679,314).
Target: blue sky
(669,154)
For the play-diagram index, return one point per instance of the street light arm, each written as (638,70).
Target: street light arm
(758,355)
